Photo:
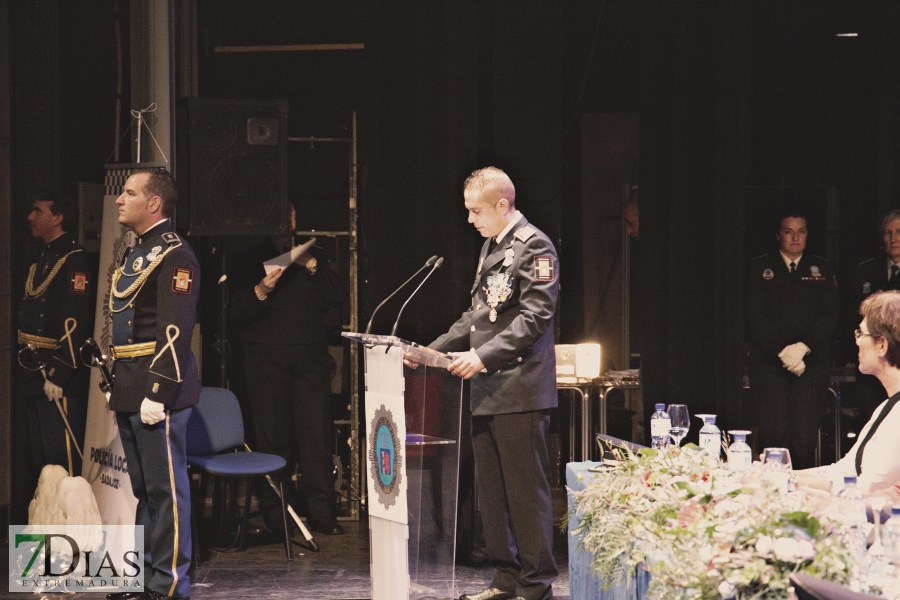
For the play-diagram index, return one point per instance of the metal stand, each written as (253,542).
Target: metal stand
(357,492)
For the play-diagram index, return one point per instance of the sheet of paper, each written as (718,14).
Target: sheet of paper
(284,260)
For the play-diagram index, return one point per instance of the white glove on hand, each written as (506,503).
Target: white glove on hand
(792,356)
(152,412)
(798,369)
(52,391)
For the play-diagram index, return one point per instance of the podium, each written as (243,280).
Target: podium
(412,418)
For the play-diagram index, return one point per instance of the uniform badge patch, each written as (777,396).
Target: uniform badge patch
(79,282)
(814,271)
(509,256)
(768,274)
(137,265)
(155,387)
(867,287)
(498,289)
(543,268)
(385,457)
(182,280)
(154,253)
(524,233)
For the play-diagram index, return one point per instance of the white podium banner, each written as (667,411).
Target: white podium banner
(386,435)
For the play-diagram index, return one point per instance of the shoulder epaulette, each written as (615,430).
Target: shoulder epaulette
(172,239)
(524,233)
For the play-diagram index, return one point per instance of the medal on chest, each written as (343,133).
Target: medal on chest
(498,289)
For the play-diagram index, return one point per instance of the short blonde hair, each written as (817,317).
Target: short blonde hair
(494,181)
(881,311)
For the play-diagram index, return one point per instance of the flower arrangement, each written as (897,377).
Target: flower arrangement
(702,530)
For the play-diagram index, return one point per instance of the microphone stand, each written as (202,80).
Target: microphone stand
(430,262)
(436,266)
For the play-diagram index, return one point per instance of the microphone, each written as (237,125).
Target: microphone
(430,262)
(436,266)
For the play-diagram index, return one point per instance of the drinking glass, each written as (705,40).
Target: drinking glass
(778,459)
(877,503)
(680,422)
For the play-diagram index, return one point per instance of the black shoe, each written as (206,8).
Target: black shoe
(123,595)
(325,526)
(489,594)
(154,595)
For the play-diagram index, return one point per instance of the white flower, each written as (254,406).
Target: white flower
(726,590)
(764,545)
(727,506)
(805,550)
(785,549)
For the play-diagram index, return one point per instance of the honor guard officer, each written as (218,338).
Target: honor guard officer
(56,315)
(153,302)
(877,274)
(504,344)
(793,313)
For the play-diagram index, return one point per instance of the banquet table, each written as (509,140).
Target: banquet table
(584,585)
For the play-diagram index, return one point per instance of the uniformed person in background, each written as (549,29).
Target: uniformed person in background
(153,302)
(504,344)
(283,322)
(793,313)
(877,274)
(56,315)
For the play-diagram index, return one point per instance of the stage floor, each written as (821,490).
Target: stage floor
(340,570)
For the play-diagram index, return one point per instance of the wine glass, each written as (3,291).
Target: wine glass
(679,422)
(778,459)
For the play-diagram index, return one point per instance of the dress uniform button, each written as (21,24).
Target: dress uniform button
(130,324)
(130,341)
(519,359)
(473,327)
(478,307)
(498,371)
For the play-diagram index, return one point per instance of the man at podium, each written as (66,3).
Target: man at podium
(504,343)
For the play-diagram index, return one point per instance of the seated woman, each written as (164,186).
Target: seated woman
(875,457)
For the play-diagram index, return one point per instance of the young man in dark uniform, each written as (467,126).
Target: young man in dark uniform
(154,309)
(56,315)
(504,344)
(793,313)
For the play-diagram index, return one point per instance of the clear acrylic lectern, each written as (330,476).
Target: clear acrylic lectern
(412,465)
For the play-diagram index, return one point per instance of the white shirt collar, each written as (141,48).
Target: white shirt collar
(154,225)
(788,261)
(516,217)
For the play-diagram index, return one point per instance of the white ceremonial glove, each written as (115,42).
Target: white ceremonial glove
(52,391)
(793,355)
(798,369)
(152,412)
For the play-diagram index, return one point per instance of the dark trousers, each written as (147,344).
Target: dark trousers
(156,459)
(50,442)
(788,408)
(289,390)
(511,466)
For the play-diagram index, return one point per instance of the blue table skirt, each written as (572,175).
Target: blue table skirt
(584,585)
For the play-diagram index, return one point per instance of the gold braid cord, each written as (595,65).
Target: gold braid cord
(32,292)
(139,282)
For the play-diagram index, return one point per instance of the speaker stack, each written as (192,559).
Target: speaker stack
(231,166)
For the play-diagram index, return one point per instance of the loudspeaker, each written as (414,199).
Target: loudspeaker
(231,166)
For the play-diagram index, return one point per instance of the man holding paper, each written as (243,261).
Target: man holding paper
(280,299)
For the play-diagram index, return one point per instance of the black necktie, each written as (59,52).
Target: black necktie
(881,416)
(793,266)
(894,270)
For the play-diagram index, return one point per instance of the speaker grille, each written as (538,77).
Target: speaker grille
(235,181)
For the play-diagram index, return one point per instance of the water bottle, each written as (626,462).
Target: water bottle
(659,427)
(851,502)
(710,436)
(740,457)
(890,536)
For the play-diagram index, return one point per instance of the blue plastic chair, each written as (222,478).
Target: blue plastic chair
(215,445)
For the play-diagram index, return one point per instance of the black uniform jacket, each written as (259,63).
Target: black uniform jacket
(296,310)
(63,311)
(871,276)
(163,310)
(785,309)
(517,349)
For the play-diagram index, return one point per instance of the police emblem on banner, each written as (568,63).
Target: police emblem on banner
(385,457)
